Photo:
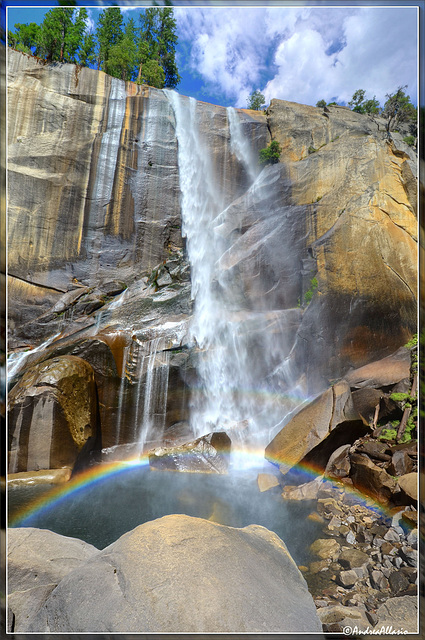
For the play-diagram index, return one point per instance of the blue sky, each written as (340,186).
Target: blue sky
(303,53)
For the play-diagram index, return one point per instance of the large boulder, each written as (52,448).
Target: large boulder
(208,454)
(408,483)
(371,479)
(336,618)
(53,415)
(401,613)
(381,373)
(317,430)
(183,574)
(38,559)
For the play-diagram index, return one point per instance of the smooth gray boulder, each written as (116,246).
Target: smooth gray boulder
(38,559)
(401,613)
(184,574)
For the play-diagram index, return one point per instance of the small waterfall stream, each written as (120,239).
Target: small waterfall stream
(152,418)
(240,145)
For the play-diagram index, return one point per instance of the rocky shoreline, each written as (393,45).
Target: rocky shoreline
(363,571)
(365,558)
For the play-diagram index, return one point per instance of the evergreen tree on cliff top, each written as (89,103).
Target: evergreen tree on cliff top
(61,34)
(60,37)
(256,100)
(109,33)
(122,57)
(156,51)
(360,105)
(26,37)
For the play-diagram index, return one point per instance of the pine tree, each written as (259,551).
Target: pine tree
(398,108)
(122,56)
(156,52)
(75,35)
(26,37)
(360,105)
(108,33)
(54,33)
(86,53)
(256,100)
(167,40)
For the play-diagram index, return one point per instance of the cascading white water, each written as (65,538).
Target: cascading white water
(123,379)
(240,145)
(228,366)
(155,394)
(201,202)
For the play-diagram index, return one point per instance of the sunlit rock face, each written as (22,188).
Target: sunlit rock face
(93,184)
(144,581)
(311,262)
(53,415)
(359,198)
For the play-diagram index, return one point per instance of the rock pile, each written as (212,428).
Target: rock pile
(364,559)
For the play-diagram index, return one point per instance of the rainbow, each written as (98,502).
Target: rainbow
(77,484)
(245,459)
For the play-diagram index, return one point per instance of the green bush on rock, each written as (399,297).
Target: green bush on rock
(271,154)
(308,296)
(402,431)
(410,140)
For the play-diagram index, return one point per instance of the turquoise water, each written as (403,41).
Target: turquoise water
(103,511)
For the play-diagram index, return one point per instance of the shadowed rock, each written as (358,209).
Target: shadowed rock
(382,373)
(330,421)
(408,483)
(371,479)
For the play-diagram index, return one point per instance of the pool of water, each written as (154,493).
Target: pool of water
(101,512)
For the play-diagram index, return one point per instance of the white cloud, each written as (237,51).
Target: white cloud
(381,51)
(375,51)
(227,47)
(301,54)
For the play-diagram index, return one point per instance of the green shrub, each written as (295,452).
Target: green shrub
(410,140)
(399,397)
(413,342)
(388,434)
(271,154)
(311,150)
(308,296)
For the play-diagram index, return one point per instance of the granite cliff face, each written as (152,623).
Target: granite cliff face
(97,262)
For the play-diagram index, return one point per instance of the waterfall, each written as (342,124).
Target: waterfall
(201,202)
(240,146)
(123,379)
(225,365)
(151,372)
(238,347)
